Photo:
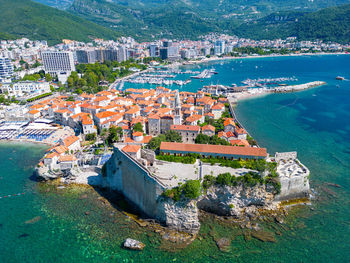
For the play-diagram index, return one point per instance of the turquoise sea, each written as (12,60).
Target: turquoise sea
(49,224)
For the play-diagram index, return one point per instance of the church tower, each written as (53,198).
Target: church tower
(178,118)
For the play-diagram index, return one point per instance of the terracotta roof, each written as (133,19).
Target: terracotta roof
(185,128)
(240,131)
(60,149)
(133,110)
(137,134)
(218,149)
(51,155)
(70,140)
(131,148)
(218,106)
(193,118)
(67,158)
(105,114)
(87,121)
(146,139)
(208,127)
(229,134)
(33,112)
(240,142)
(229,121)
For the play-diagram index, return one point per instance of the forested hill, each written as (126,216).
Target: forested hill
(155,19)
(24,18)
(329,24)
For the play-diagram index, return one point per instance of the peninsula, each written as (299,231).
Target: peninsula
(172,154)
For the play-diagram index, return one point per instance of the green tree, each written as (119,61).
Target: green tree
(90,137)
(114,134)
(48,77)
(138,127)
(202,139)
(155,142)
(173,136)
(192,189)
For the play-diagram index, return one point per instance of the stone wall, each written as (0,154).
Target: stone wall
(137,184)
(294,185)
(131,179)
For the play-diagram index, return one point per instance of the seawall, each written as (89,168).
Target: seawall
(141,188)
(127,176)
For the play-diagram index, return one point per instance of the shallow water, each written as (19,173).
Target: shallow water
(315,122)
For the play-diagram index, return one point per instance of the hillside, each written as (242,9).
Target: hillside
(145,24)
(24,18)
(149,19)
(329,24)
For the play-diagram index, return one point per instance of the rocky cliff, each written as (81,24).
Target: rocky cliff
(237,201)
(181,216)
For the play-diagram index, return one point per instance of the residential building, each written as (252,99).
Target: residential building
(6,69)
(58,62)
(25,88)
(187,132)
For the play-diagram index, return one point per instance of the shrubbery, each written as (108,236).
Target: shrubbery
(191,190)
(188,159)
(250,179)
(39,97)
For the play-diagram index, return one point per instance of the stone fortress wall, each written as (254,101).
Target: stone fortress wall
(143,189)
(134,181)
(293,176)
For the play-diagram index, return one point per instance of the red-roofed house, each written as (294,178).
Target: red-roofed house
(103,116)
(241,133)
(67,162)
(133,150)
(194,119)
(229,125)
(208,130)
(218,110)
(71,142)
(34,114)
(132,113)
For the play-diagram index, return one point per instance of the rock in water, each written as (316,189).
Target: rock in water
(33,220)
(264,236)
(134,244)
(223,244)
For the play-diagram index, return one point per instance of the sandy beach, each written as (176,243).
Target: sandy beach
(213,59)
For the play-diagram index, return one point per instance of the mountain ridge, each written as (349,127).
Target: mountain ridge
(24,18)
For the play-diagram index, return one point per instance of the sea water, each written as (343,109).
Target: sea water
(50,224)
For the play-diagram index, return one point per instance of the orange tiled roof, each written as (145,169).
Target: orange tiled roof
(240,143)
(229,121)
(60,149)
(185,128)
(70,140)
(105,114)
(33,112)
(67,158)
(131,148)
(208,127)
(218,149)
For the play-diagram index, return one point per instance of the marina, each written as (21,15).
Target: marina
(168,77)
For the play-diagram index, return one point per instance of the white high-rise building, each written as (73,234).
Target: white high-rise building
(57,62)
(6,69)
(219,47)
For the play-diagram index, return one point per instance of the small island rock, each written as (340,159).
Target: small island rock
(134,244)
